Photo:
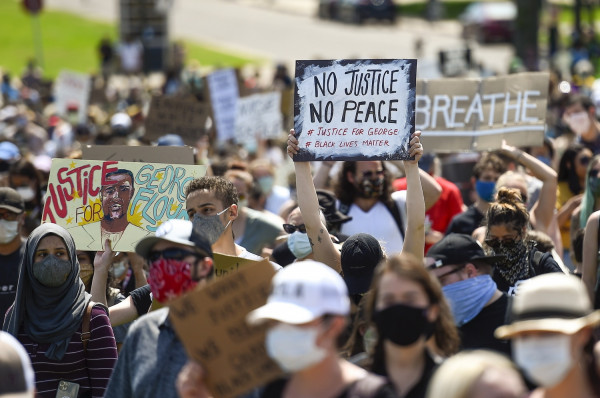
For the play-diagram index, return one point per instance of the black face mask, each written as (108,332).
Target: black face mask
(402,324)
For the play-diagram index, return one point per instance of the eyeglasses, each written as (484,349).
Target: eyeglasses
(370,173)
(172,254)
(495,243)
(454,271)
(584,160)
(290,229)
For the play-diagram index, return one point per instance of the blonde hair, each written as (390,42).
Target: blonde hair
(457,375)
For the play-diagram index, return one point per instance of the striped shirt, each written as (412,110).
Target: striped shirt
(91,373)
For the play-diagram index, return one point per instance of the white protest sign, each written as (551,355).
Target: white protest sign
(258,116)
(224,93)
(354,109)
(72,89)
(477,114)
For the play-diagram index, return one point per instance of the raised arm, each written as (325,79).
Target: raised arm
(322,246)
(431,189)
(590,254)
(102,263)
(414,241)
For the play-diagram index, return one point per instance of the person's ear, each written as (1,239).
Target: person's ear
(332,328)
(204,267)
(233,212)
(350,177)
(433,313)
(471,270)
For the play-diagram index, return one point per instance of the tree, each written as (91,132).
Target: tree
(526,32)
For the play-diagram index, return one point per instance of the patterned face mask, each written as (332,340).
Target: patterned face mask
(371,188)
(170,278)
(515,265)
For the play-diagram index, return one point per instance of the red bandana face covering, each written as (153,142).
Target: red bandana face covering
(169,279)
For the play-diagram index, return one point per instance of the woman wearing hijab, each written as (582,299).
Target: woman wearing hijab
(48,315)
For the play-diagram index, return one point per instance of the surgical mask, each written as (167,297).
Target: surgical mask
(86,273)
(27,193)
(371,188)
(51,271)
(579,122)
(119,268)
(294,348)
(485,190)
(468,297)
(8,231)
(402,324)
(170,278)
(210,227)
(546,359)
(266,184)
(299,244)
(594,185)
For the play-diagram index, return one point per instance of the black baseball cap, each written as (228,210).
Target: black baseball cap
(11,200)
(360,255)
(456,249)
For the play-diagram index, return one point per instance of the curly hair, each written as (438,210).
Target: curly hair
(407,266)
(489,160)
(508,209)
(223,189)
(346,192)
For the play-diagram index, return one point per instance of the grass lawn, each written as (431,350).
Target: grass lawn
(69,42)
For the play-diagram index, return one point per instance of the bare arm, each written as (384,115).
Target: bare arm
(323,248)
(321,178)
(431,189)
(102,263)
(414,242)
(564,213)
(590,254)
(137,264)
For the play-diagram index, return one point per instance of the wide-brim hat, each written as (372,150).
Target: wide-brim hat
(553,302)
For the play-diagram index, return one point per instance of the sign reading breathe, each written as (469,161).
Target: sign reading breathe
(354,109)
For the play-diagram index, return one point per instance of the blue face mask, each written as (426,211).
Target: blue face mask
(467,298)
(544,159)
(594,185)
(485,190)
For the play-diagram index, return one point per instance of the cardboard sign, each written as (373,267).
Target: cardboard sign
(120,201)
(72,90)
(354,109)
(145,154)
(258,116)
(182,116)
(225,265)
(454,63)
(224,93)
(211,324)
(477,114)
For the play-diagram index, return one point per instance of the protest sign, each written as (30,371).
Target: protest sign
(477,114)
(120,201)
(454,63)
(146,154)
(181,116)
(71,92)
(225,265)
(223,90)
(258,116)
(354,109)
(211,324)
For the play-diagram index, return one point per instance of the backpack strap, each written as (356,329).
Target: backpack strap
(85,326)
(367,387)
(395,212)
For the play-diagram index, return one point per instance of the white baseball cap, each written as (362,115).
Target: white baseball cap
(174,231)
(17,378)
(302,292)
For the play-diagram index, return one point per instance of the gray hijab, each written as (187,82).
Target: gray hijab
(48,314)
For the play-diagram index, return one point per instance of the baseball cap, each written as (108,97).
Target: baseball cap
(553,302)
(11,200)
(170,140)
(455,249)
(9,151)
(17,378)
(360,255)
(302,292)
(327,202)
(175,231)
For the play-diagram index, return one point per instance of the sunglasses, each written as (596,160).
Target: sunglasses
(495,243)
(290,229)
(171,254)
(369,174)
(584,160)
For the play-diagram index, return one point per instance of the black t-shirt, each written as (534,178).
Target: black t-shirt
(465,223)
(478,333)
(419,390)
(276,388)
(546,265)
(9,276)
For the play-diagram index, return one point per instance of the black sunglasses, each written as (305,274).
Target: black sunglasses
(290,229)
(171,254)
(584,160)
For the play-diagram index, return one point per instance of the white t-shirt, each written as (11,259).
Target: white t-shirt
(279,195)
(379,222)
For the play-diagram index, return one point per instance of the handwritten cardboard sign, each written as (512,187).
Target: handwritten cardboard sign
(225,265)
(211,324)
(72,90)
(182,116)
(224,93)
(120,201)
(354,109)
(258,116)
(477,114)
(146,154)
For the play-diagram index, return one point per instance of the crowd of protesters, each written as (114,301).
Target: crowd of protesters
(398,282)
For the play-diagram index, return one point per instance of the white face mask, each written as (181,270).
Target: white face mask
(546,360)
(8,230)
(579,122)
(27,193)
(119,268)
(299,244)
(294,348)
